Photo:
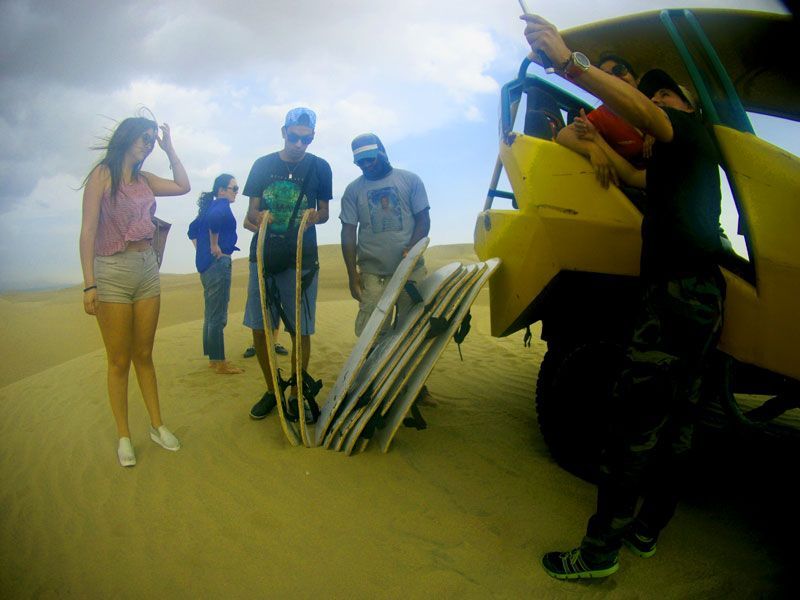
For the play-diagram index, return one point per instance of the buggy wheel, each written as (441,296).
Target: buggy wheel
(574,405)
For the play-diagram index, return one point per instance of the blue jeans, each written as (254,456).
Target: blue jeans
(217,294)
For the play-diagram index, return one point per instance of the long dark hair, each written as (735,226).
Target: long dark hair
(122,138)
(206,198)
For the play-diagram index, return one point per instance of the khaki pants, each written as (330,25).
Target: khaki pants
(372,290)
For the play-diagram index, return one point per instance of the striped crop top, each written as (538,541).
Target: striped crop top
(128,219)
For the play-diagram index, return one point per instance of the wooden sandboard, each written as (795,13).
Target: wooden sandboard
(399,409)
(365,341)
(403,364)
(289,429)
(377,366)
(306,431)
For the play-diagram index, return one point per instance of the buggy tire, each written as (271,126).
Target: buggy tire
(574,403)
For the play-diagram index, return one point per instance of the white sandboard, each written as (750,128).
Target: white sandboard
(385,353)
(404,363)
(388,341)
(289,429)
(367,338)
(446,310)
(401,406)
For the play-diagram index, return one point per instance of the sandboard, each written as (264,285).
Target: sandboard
(401,406)
(385,348)
(388,341)
(446,310)
(367,338)
(405,362)
(384,381)
(306,431)
(289,429)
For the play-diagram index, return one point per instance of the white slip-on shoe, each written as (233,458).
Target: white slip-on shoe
(125,452)
(164,438)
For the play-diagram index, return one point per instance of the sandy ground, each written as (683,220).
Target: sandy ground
(463,509)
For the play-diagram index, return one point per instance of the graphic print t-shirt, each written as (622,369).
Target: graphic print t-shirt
(270,180)
(384,212)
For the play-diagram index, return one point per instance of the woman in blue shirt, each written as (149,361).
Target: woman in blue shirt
(213,233)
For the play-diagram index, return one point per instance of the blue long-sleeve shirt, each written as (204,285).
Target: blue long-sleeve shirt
(218,218)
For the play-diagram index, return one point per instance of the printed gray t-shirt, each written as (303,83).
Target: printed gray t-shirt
(384,212)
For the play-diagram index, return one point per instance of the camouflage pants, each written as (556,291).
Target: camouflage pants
(656,403)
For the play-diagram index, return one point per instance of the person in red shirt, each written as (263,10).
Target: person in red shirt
(625,139)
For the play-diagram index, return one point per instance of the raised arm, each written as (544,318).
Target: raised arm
(625,101)
(179,184)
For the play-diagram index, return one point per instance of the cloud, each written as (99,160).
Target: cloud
(224,74)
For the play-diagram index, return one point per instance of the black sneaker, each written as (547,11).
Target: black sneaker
(641,545)
(264,406)
(570,565)
(281,350)
(251,351)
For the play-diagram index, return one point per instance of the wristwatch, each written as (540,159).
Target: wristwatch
(576,66)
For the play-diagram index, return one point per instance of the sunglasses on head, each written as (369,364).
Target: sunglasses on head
(304,139)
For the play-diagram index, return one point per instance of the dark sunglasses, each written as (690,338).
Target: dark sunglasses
(234,188)
(148,139)
(619,70)
(365,162)
(304,139)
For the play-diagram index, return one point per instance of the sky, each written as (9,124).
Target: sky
(423,75)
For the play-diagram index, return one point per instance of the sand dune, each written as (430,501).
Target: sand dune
(463,509)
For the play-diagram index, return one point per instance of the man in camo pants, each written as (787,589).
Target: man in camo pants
(680,317)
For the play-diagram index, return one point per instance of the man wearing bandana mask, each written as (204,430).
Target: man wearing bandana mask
(384,213)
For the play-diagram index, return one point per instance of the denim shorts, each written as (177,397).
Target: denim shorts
(282,285)
(126,277)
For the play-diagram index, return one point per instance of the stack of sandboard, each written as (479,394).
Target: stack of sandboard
(388,367)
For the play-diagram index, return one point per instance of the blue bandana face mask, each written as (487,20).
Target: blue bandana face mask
(375,169)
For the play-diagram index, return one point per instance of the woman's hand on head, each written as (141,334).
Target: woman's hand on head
(165,139)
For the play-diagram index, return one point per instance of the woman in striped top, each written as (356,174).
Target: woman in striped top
(120,271)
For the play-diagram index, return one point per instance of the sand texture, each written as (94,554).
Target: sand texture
(464,509)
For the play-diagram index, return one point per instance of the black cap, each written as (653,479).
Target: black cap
(655,80)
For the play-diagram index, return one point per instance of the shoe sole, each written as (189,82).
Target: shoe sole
(258,417)
(158,441)
(636,551)
(594,574)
